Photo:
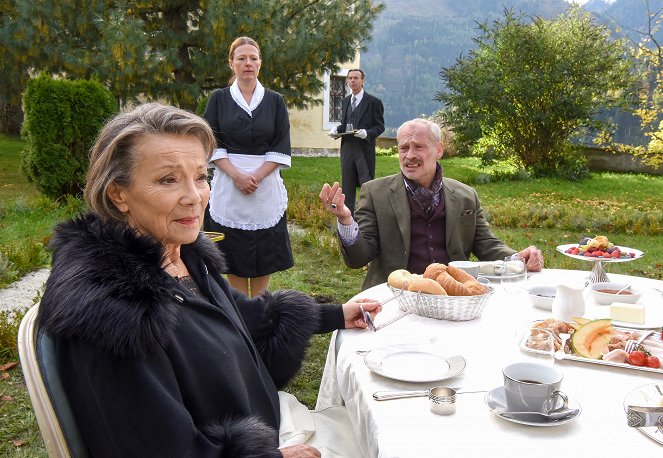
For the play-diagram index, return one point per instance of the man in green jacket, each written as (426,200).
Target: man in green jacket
(416,217)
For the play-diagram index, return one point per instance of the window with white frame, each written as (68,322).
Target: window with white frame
(336,95)
(335,90)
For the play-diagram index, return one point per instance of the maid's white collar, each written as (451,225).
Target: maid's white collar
(258,95)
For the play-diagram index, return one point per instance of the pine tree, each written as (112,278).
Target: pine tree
(177,49)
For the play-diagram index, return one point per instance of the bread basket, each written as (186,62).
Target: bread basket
(454,308)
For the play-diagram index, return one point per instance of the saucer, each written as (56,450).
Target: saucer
(496,402)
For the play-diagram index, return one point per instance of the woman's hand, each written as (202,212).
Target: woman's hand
(247,184)
(300,451)
(352,312)
(264,170)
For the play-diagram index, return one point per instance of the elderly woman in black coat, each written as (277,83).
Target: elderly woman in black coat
(159,357)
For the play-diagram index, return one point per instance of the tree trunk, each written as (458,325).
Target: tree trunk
(11,118)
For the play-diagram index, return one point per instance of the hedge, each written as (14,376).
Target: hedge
(62,120)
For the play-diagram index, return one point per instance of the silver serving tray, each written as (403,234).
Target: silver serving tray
(572,357)
(646,395)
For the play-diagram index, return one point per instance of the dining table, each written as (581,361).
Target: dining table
(407,427)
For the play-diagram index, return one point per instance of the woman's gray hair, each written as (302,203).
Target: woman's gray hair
(433,129)
(113,157)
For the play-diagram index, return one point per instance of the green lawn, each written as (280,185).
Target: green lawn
(546,212)
(13,183)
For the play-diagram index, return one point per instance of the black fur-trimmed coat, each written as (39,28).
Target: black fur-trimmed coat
(152,369)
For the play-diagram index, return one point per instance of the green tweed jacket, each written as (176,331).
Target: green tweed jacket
(383,216)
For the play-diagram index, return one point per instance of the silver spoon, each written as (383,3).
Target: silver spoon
(538,416)
(627,286)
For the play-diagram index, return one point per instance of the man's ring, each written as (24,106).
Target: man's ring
(333,205)
(541,261)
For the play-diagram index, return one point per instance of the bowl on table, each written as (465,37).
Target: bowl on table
(605,293)
(542,297)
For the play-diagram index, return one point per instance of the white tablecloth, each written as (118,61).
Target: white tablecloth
(406,428)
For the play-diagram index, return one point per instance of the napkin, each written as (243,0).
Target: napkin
(329,430)
(497,267)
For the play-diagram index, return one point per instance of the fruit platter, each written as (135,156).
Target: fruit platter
(599,250)
(599,342)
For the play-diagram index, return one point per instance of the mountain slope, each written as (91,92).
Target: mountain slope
(414,39)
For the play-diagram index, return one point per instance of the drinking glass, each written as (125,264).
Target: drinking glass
(513,275)
(349,127)
(539,346)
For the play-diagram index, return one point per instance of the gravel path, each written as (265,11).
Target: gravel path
(23,292)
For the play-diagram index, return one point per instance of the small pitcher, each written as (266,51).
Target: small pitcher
(569,302)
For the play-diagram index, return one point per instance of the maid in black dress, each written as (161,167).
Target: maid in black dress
(248,201)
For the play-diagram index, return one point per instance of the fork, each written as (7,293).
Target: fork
(632,345)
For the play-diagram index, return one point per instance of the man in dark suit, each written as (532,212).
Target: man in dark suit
(416,217)
(365,114)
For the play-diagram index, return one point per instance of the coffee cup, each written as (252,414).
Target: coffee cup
(470,267)
(533,387)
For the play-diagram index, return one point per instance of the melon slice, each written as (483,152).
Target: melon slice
(581,320)
(599,346)
(590,340)
(578,322)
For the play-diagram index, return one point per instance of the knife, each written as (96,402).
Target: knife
(639,416)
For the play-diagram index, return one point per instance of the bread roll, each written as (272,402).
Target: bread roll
(397,277)
(425,285)
(457,282)
(435,269)
(451,285)
(459,274)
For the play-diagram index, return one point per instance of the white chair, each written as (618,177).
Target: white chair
(49,401)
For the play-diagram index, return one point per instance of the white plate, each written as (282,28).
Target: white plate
(496,402)
(638,254)
(646,395)
(491,278)
(413,363)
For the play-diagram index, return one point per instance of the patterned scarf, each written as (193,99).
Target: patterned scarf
(427,198)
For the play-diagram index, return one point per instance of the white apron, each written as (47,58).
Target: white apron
(260,210)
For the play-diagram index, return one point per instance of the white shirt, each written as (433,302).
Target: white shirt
(359,96)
